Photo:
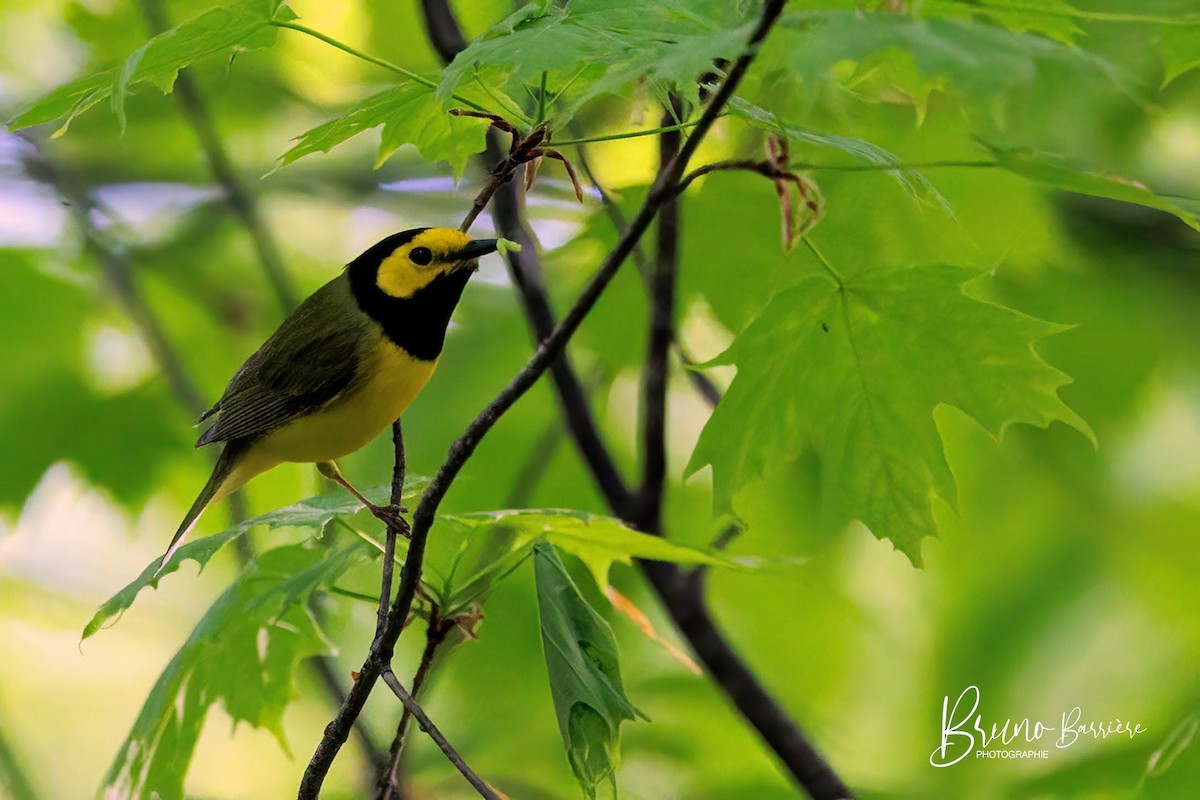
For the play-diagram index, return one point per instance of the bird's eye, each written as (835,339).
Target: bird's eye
(420,256)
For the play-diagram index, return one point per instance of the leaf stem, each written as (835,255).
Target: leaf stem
(507,104)
(1079,13)
(631,135)
(416,77)
(825,262)
(541,99)
(941,164)
(353,595)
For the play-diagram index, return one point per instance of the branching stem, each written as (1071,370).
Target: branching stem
(411,705)
(378,661)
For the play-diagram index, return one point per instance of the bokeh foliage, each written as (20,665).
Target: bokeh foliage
(1043,154)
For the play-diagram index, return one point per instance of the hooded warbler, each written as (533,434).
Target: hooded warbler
(342,366)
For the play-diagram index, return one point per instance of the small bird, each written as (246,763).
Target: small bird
(342,366)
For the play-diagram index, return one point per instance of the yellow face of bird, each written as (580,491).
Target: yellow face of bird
(429,254)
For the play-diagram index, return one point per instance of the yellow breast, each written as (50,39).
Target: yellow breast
(391,378)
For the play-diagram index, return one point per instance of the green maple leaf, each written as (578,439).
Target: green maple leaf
(853,370)
(585,676)
(593,47)
(245,25)
(243,653)
(410,114)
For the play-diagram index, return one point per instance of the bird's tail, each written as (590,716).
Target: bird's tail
(215,489)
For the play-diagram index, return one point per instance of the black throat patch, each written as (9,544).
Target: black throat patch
(417,324)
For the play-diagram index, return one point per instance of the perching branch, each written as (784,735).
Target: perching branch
(382,649)
(427,725)
(399,468)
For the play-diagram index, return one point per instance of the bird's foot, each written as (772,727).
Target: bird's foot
(391,516)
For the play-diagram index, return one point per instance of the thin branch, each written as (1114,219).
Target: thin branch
(399,467)
(442,29)
(243,201)
(427,725)
(379,658)
(388,786)
(522,150)
(736,164)
(525,269)
(700,382)
(682,594)
(658,349)
(335,688)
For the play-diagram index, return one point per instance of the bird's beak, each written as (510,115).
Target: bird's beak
(475,249)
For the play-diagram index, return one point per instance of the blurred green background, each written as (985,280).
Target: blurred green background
(1067,575)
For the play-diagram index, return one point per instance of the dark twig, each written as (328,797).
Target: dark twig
(335,688)
(427,725)
(399,467)
(388,786)
(442,27)
(764,168)
(525,269)
(682,591)
(700,382)
(242,200)
(682,594)
(662,332)
(382,649)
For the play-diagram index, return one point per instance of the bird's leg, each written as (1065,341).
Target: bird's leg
(389,515)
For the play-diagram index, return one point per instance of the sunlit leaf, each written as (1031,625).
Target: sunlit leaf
(315,513)
(410,114)
(1052,18)
(585,676)
(912,180)
(244,25)
(978,58)
(243,653)
(591,47)
(596,540)
(1180,47)
(1058,174)
(854,370)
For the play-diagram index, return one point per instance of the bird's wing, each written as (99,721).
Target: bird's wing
(313,357)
